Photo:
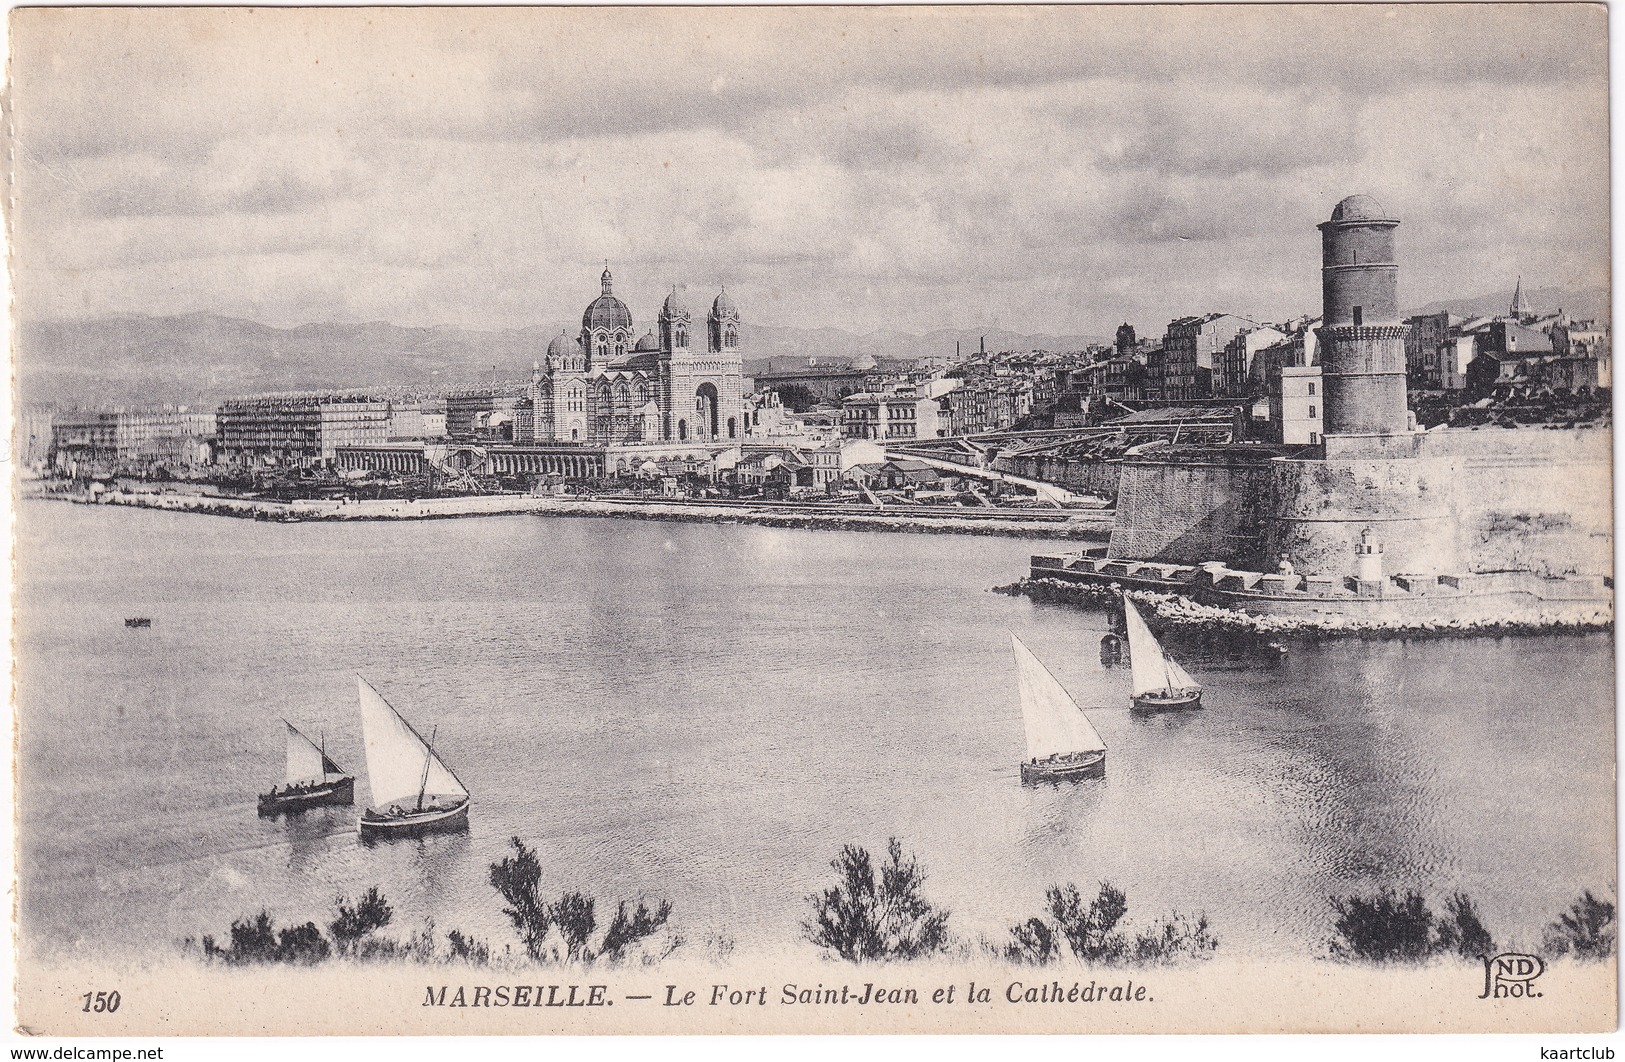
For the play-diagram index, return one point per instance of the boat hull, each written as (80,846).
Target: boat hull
(1168,702)
(376,825)
(339,793)
(1091,765)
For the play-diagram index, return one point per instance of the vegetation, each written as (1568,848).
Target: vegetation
(798,398)
(1090,932)
(865,917)
(1587,930)
(573,915)
(351,934)
(1392,928)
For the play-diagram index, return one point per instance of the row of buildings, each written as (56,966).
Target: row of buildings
(1447,352)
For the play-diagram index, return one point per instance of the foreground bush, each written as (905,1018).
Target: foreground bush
(258,940)
(1392,928)
(1089,931)
(864,917)
(1587,930)
(518,879)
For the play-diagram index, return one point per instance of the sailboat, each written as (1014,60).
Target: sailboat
(310,778)
(1061,743)
(413,791)
(1159,682)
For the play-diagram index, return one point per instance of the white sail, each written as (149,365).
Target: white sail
(305,761)
(1154,670)
(1178,677)
(1055,723)
(400,765)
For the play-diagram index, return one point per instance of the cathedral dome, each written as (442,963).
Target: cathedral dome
(562,347)
(606,311)
(675,305)
(1359,208)
(724,306)
(647,343)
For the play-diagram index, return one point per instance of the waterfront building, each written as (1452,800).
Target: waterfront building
(302,429)
(1452,356)
(32,436)
(610,387)
(1427,332)
(107,438)
(1236,380)
(470,413)
(1295,404)
(1193,348)
(902,414)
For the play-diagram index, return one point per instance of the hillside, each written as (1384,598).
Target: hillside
(199,359)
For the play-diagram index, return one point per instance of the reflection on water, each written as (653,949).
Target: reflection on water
(708,713)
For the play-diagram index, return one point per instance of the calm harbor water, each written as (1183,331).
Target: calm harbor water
(707,713)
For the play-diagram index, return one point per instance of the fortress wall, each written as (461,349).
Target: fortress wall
(1318,509)
(1098,476)
(1523,499)
(1530,498)
(1190,509)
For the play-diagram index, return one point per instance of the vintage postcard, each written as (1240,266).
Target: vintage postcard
(805,520)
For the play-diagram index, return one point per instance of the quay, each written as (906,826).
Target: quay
(1398,601)
(1083,525)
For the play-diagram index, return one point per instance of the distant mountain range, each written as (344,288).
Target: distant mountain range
(200,358)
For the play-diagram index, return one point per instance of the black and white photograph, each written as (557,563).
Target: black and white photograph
(768,520)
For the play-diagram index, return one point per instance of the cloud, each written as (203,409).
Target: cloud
(865,168)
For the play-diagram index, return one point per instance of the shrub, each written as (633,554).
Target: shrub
(1392,928)
(370,913)
(1384,928)
(1586,930)
(466,949)
(258,940)
(518,879)
(864,917)
(1033,942)
(1092,935)
(1171,940)
(1462,932)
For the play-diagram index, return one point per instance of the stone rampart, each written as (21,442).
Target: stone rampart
(1191,508)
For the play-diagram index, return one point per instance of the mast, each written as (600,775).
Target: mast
(428,761)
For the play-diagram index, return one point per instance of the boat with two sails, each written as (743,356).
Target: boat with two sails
(1160,684)
(1061,742)
(313,779)
(413,791)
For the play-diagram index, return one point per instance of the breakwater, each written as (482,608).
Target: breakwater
(1179,612)
(1090,525)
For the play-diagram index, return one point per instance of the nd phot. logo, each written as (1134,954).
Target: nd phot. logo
(1511,975)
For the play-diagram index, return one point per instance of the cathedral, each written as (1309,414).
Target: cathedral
(608,388)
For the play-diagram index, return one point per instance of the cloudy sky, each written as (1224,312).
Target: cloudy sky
(1050,170)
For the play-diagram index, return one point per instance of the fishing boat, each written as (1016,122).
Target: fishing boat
(311,778)
(1160,684)
(413,791)
(1061,743)
(138,622)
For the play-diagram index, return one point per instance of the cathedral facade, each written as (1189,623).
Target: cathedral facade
(678,383)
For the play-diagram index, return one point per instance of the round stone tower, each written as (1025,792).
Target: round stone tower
(1362,339)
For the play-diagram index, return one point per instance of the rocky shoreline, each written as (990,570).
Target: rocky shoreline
(1176,612)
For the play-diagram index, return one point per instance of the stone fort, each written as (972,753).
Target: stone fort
(1379,498)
